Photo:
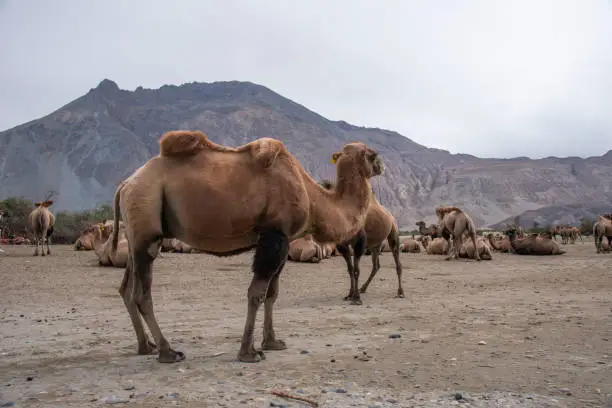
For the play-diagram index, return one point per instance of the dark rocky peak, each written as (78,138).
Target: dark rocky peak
(107,86)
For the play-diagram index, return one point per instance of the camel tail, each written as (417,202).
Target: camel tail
(117,214)
(182,143)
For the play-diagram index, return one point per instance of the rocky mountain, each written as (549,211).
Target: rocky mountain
(83,149)
(571,214)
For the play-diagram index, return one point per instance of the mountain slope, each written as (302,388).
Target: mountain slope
(83,149)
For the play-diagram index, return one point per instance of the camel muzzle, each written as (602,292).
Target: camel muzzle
(378,166)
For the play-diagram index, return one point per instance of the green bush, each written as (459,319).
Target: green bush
(68,224)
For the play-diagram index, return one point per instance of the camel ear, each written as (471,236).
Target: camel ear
(335,157)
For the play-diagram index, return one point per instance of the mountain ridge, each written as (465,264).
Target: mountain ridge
(85,147)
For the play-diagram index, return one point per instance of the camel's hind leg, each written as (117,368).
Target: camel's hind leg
(394,243)
(142,264)
(37,242)
(375,269)
(48,245)
(476,252)
(126,290)
(270,257)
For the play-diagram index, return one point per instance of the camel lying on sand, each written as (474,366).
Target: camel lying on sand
(432,231)
(410,245)
(453,222)
(115,258)
(436,246)
(225,201)
(86,242)
(499,243)
(305,249)
(40,223)
(380,226)
(533,244)
(601,229)
(484,251)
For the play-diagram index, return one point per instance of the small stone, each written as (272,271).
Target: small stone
(392,400)
(482,343)
(328,345)
(339,390)
(113,399)
(305,352)
(8,404)
(278,405)
(29,378)
(458,396)
(129,388)
(172,395)
(566,391)
(333,360)
(395,336)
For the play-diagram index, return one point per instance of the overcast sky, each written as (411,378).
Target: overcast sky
(493,78)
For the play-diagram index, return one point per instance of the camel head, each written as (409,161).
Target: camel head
(420,224)
(357,154)
(44,204)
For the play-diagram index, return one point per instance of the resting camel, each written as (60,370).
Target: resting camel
(380,226)
(452,221)
(601,229)
(86,242)
(436,246)
(40,222)
(107,256)
(411,245)
(305,249)
(533,244)
(484,251)
(499,243)
(184,193)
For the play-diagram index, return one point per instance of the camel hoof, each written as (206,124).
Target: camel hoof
(273,345)
(43,254)
(363,289)
(356,302)
(171,356)
(148,348)
(400,294)
(348,297)
(478,259)
(254,356)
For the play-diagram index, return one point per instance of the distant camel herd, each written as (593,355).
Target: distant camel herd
(173,204)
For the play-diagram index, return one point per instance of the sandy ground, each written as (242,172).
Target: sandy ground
(66,339)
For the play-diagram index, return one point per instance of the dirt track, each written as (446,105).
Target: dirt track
(546,321)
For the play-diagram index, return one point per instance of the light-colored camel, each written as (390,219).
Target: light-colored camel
(484,251)
(116,258)
(225,201)
(329,250)
(411,245)
(454,222)
(499,243)
(305,249)
(380,226)
(40,222)
(601,229)
(533,244)
(436,246)
(86,241)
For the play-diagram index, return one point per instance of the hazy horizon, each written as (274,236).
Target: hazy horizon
(487,78)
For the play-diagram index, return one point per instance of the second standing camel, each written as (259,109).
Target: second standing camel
(40,222)
(454,222)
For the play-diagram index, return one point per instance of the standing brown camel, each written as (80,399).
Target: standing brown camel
(452,221)
(40,222)
(184,193)
(601,229)
(380,226)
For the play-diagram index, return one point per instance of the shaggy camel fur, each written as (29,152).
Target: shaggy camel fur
(533,244)
(86,242)
(431,231)
(601,229)
(484,251)
(411,245)
(305,249)
(453,222)
(225,201)
(380,226)
(40,222)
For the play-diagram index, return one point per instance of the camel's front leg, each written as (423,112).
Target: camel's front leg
(451,248)
(346,254)
(270,256)
(48,246)
(37,241)
(358,250)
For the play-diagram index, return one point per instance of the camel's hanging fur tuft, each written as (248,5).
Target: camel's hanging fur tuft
(445,210)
